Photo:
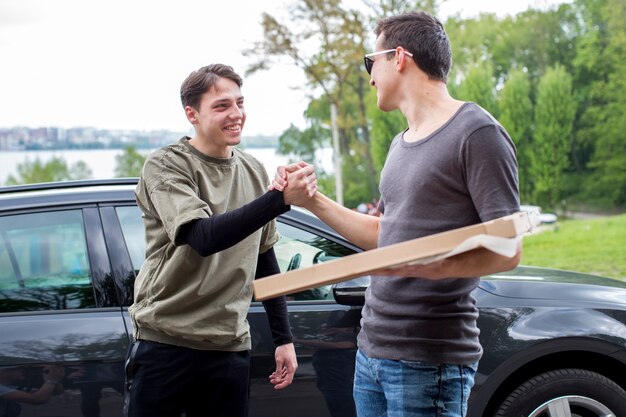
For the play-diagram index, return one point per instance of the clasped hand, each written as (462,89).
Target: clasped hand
(297,182)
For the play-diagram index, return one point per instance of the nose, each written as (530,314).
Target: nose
(372,83)
(236,112)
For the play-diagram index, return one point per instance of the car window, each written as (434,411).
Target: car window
(44,263)
(134,234)
(298,249)
(295,249)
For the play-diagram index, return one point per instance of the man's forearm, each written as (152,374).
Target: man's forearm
(478,263)
(216,233)
(361,229)
(276,308)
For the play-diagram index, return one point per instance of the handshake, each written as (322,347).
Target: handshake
(297,182)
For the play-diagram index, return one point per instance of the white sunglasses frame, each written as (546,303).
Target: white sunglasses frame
(369,62)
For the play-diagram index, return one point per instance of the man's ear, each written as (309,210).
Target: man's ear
(192,114)
(401,62)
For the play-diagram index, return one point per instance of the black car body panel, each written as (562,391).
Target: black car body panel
(532,320)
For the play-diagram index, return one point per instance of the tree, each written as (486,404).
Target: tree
(554,119)
(385,126)
(328,42)
(493,57)
(516,116)
(80,170)
(301,145)
(55,169)
(338,36)
(536,40)
(129,163)
(479,87)
(472,41)
(601,59)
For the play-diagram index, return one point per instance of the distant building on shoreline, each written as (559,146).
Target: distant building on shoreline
(53,138)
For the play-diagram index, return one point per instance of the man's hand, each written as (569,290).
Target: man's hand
(286,365)
(53,373)
(280,179)
(297,182)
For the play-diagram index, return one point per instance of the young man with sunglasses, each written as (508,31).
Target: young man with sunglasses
(453,166)
(210,230)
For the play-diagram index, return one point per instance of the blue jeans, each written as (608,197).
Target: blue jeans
(390,388)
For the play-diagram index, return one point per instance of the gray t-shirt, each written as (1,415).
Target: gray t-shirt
(462,174)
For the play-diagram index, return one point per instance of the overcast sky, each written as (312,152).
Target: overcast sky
(118,64)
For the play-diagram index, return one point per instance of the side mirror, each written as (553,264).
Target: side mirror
(352,293)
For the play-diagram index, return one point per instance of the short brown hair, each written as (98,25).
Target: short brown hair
(424,36)
(203,80)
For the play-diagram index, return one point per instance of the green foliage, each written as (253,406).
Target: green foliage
(327,40)
(479,87)
(129,163)
(595,246)
(604,117)
(326,185)
(385,126)
(554,78)
(80,170)
(536,40)
(516,116)
(338,36)
(55,169)
(302,144)
(356,187)
(554,117)
(472,41)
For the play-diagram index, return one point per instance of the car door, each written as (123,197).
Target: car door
(324,335)
(324,331)
(60,319)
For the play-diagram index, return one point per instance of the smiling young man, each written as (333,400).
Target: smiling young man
(454,166)
(210,229)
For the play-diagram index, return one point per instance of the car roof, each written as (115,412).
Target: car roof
(58,193)
(67,192)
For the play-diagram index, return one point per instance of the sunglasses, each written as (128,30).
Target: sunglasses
(369,62)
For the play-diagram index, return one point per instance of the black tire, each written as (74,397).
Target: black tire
(588,394)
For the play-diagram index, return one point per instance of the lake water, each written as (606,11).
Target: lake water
(102,162)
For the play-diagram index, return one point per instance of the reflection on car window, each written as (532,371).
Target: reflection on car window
(134,235)
(296,249)
(44,263)
(299,249)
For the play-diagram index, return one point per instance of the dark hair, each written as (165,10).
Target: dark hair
(203,80)
(424,36)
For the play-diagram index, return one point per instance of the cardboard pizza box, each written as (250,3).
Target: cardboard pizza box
(493,235)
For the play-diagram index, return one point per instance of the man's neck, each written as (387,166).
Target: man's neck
(209,149)
(427,109)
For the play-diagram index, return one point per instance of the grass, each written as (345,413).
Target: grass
(595,246)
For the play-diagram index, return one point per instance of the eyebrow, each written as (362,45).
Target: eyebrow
(226,100)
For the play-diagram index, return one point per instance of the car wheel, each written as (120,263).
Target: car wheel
(567,393)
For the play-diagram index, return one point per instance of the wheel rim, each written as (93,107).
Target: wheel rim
(572,406)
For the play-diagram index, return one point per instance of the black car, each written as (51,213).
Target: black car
(554,341)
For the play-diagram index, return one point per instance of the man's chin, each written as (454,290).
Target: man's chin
(234,141)
(386,108)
